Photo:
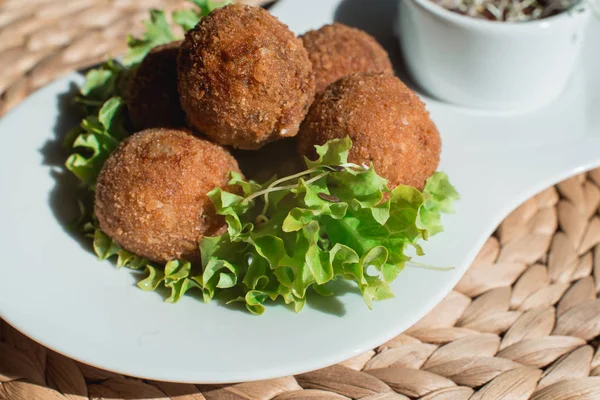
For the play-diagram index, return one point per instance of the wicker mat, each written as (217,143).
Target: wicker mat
(522,323)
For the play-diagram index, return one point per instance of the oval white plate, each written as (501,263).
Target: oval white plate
(55,291)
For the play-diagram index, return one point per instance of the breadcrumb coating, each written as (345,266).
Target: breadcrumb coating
(387,122)
(338,50)
(151,195)
(244,78)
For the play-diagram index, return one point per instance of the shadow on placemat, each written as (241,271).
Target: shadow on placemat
(62,199)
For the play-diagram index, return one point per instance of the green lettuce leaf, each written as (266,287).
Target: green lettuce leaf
(335,152)
(330,222)
(96,138)
(102,83)
(157,32)
(439,197)
(105,248)
(188,19)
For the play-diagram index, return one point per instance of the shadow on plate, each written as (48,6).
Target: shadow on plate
(278,158)
(331,305)
(63,198)
(377,18)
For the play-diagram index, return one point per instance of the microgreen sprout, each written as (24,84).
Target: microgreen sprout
(509,10)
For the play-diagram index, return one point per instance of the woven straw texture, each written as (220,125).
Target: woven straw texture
(522,323)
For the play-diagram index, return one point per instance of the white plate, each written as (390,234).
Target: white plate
(55,291)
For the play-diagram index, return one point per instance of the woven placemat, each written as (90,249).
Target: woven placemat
(522,323)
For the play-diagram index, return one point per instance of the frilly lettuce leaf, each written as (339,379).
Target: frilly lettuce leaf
(439,197)
(293,235)
(105,248)
(101,84)
(175,276)
(188,19)
(157,32)
(95,139)
(334,152)
(205,7)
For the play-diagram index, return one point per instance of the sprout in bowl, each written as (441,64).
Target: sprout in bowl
(508,10)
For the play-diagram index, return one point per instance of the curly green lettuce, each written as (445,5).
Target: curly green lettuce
(158,31)
(285,238)
(94,140)
(188,19)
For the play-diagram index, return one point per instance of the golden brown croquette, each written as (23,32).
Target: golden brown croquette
(387,122)
(244,78)
(338,50)
(151,196)
(153,100)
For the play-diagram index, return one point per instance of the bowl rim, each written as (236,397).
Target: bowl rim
(579,9)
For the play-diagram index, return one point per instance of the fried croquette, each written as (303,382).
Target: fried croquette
(153,100)
(244,78)
(151,195)
(338,50)
(387,122)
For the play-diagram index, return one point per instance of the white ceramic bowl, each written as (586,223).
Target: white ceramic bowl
(486,64)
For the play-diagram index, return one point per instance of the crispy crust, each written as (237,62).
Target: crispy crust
(386,121)
(153,100)
(244,78)
(151,196)
(338,50)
